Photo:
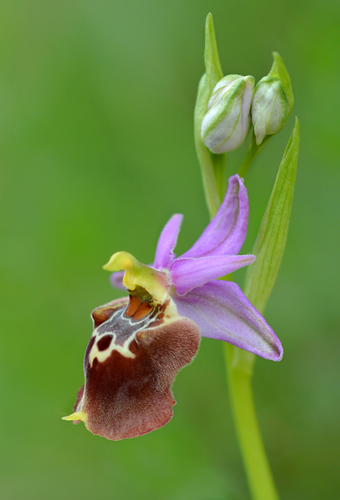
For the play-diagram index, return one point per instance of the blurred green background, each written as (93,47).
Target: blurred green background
(96,153)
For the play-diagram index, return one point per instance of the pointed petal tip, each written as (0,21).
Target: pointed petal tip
(78,415)
(236,179)
(249,258)
(167,242)
(279,354)
(274,352)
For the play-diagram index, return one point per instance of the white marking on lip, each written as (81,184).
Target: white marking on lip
(124,349)
(103,355)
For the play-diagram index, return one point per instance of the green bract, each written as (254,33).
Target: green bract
(271,239)
(273,101)
(213,73)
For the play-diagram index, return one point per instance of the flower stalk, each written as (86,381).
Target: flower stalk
(239,369)
(239,363)
(239,374)
(251,154)
(269,248)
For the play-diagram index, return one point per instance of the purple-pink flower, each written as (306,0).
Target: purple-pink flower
(140,342)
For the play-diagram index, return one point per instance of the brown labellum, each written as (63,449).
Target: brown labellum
(134,354)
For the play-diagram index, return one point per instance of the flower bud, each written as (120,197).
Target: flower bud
(272,102)
(227,121)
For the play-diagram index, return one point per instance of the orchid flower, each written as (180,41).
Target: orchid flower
(140,342)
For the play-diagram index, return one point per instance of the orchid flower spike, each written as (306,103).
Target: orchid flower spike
(140,342)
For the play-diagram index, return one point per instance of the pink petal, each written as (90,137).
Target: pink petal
(167,242)
(187,274)
(223,312)
(227,231)
(116,280)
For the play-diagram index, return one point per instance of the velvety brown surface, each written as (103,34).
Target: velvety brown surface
(127,397)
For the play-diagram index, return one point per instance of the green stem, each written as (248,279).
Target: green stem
(254,456)
(239,367)
(219,168)
(252,152)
